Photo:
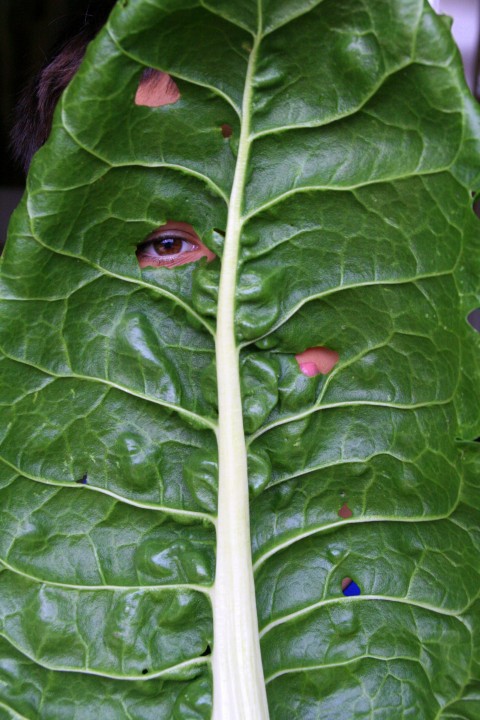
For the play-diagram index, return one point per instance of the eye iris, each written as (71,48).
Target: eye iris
(168,245)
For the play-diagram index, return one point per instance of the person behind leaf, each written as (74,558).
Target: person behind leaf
(34,112)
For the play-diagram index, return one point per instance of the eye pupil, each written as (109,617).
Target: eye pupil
(168,245)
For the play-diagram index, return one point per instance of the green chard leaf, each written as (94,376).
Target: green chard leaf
(194,524)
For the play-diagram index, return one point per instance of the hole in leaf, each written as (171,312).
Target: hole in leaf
(474,319)
(156,89)
(145,671)
(476,203)
(350,587)
(345,511)
(317,360)
(207,651)
(227,130)
(83,480)
(172,244)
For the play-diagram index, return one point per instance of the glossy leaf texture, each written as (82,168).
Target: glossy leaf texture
(357,234)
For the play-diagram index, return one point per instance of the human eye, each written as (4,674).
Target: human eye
(170,245)
(163,249)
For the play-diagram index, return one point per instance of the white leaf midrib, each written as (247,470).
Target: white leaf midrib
(238,681)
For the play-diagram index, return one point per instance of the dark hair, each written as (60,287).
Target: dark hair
(34,111)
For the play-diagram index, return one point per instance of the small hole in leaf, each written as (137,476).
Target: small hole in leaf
(83,480)
(474,319)
(207,651)
(172,244)
(345,511)
(145,671)
(227,130)
(156,89)
(476,203)
(317,360)
(350,587)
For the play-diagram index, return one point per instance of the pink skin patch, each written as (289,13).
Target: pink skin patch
(172,244)
(155,89)
(346,582)
(317,360)
(227,130)
(345,512)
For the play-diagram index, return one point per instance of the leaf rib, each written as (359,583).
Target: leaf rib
(174,670)
(106,587)
(341,288)
(341,188)
(277,130)
(325,528)
(360,599)
(239,687)
(200,419)
(351,661)
(190,514)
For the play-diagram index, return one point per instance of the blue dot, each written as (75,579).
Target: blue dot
(352,589)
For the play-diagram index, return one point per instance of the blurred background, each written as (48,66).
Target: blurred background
(30,29)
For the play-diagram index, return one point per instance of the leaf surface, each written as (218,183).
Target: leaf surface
(144,573)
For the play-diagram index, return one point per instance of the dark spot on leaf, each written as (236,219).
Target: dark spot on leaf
(227,130)
(350,587)
(83,480)
(345,511)
(474,319)
(207,651)
(145,671)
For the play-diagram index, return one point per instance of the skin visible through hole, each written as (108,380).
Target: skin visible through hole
(156,89)
(317,360)
(346,582)
(227,130)
(345,511)
(171,245)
